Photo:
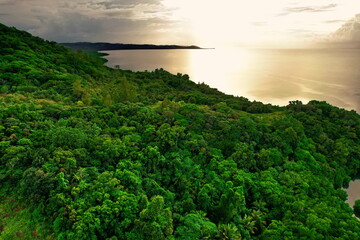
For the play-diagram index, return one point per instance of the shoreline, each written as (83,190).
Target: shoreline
(104,46)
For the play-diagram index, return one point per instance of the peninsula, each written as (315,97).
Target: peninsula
(103,46)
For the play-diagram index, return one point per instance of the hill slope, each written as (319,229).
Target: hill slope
(89,152)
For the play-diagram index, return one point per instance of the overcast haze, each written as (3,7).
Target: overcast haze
(200,22)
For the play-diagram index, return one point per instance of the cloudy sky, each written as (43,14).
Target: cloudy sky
(207,23)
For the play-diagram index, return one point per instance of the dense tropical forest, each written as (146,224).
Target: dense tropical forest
(89,152)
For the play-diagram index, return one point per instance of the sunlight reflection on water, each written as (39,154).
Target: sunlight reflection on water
(270,76)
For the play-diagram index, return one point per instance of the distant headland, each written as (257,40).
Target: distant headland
(103,46)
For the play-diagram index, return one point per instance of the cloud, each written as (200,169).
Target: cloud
(303,33)
(122,3)
(312,9)
(7,2)
(82,28)
(334,21)
(128,21)
(172,21)
(259,24)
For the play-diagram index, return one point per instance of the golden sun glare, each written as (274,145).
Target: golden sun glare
(257,22)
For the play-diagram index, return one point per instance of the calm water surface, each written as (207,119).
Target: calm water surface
(269,76)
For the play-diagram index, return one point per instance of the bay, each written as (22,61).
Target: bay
(274,76)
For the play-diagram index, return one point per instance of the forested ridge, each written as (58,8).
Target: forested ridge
(90,152)
(102,46)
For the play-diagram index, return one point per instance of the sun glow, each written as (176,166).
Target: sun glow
(209,66)
(230,22)
(237,22)
(212,22)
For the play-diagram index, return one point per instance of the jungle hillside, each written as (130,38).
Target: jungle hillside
(90,152)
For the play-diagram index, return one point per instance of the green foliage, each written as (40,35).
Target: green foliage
(98,153)
(357,208)
(155,222)
(196,226)
(18,222)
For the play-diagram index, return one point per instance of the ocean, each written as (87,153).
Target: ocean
(274,76)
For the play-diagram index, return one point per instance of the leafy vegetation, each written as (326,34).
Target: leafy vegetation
(89,152)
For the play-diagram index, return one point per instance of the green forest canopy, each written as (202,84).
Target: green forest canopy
(90,152)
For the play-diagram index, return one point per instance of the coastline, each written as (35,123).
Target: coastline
(103,46)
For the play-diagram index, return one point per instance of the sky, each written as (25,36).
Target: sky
(207,23)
